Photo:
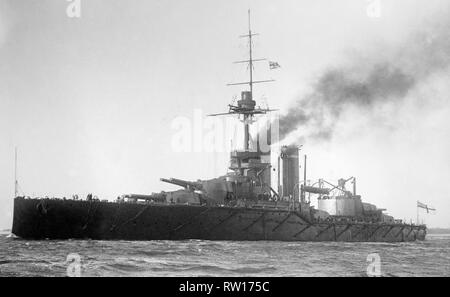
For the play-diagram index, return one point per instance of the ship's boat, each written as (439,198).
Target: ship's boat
(260,198)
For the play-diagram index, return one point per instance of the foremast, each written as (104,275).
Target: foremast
(250,174)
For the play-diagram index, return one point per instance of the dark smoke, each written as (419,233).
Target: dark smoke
(365,86)
(336,89)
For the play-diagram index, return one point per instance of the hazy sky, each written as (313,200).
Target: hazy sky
(90,101)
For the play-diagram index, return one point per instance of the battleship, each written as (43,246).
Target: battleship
(261,197)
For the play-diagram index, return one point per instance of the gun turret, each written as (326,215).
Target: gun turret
(195,186)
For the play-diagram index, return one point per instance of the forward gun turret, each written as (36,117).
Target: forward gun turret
(194,186)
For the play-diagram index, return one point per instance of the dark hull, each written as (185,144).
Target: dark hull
(64,219)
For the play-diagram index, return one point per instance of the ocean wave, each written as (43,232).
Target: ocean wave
(20,257)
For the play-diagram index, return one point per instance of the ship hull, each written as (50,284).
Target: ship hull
(72,219)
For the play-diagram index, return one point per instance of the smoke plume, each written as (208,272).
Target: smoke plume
(365,84)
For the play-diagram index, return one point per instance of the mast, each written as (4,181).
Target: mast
(250,53)
(417,219)
(303,196)
(247,106)
(16,184)
(247,117)
(250,65)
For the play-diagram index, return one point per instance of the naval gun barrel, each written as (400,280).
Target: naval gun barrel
(316,190)
(154,197)
(183,183)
